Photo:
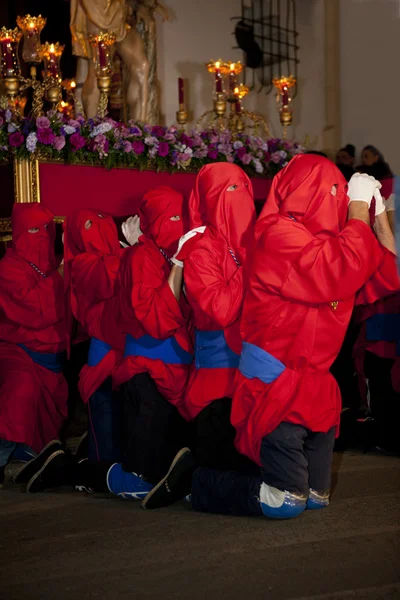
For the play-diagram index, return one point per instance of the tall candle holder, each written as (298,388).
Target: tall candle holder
(181,114)
(10,68)
(51,54)
(31,28)
(102,51)
(285,87)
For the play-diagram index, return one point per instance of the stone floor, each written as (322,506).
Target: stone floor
(66,545)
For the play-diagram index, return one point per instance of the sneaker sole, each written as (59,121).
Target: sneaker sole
(177,458)
(26,465)
(35,477)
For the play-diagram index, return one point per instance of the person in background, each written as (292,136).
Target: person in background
(33,391)
(213,255)
(373,163)
(346,156)
(315,255)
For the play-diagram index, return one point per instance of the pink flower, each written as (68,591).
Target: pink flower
(127,146)
(163,149)
(138,147)
(16,139)
(42,123)
(230,158)
(276,157)
(45,136)
(213,154)
(59,142)
(241,152)
(75,124)
(77,141)
(157,131)
(246,159)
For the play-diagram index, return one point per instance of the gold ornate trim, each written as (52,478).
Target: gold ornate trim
(5,225)
(26,181)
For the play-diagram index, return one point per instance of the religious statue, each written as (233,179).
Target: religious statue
(135,45)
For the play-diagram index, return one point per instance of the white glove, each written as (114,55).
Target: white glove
(183,240)
(379,204)
(131,230)
(362,188)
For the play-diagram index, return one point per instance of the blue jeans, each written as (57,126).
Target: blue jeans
(104,425)
(7,448)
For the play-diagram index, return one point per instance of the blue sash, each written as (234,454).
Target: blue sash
(97,351)
(169,351)
(53,362)
(255,362)
(212,351)
(384,328)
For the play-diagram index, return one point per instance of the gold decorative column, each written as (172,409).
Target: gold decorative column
(26,181)
(332,130)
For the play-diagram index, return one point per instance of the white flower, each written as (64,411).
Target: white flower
(69,130)
(183,149)
(151,141)
(257,165)
(237,145)
(31,141)
(11,128)
(101,128)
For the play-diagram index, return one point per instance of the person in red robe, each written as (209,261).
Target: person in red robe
(33,391)
(222,218)
(315,255)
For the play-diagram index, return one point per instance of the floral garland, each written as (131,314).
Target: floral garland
(113,144)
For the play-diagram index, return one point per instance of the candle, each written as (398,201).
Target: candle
(285,97)
(102,55)
(238,107)
(7,56)
(232,78)
(53,66)
(218,79)
(181,92)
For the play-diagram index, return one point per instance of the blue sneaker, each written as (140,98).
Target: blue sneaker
(317,500)
(279,504)
(126,484)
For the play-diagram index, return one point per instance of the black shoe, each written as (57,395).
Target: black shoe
(34,465)
(51,474)
(82,447)
(175,485)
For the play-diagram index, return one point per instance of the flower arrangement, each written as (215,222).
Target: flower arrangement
(106,142)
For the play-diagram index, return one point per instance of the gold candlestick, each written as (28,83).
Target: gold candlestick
(182,115)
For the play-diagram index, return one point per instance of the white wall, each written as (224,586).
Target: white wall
(201,30)
(370,80)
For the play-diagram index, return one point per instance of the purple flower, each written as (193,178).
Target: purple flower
(8,115)
(163,149)
(135,130)
(45,136)
(77,141)
(213,154)
(230,159)
(241,152)
(187,141)
(138,147)
(169,137)
(74,123)
(16,139)
(25,128)
(157,131)
(237,145)
(11,128)
(42,123)
(147,129)
(126,146)
(59,142)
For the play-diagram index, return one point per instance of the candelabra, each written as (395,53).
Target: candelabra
(226,91)
(33,53)
(102,52)
(285,87)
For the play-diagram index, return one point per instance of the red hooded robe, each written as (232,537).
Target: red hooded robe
(92,256)
(214,278)
(146,304)
(309,263)
(33,398)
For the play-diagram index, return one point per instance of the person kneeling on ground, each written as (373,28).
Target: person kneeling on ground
(315,255)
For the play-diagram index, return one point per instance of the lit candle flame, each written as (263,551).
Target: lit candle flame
(51,49)
(232,66)
(236,90)
(31,25)
(217,64)
(73,84)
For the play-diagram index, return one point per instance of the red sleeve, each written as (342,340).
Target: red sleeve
(304,268)
(209,292)
(153,302)
(93,277)
(384,281)
(27,300)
